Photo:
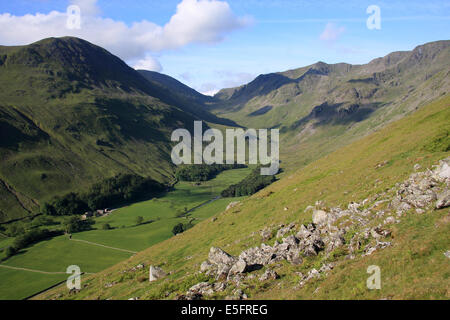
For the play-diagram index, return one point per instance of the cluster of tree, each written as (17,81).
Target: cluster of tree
(250,185)
(67,205)
(106,226)
(31,230)
(139,220)
(202,172)
(14,229)
(121,189)
(74,224)
(17,228)
(180,227)
(43,220)
(111,192)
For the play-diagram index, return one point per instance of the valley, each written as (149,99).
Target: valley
(81,129)
(371,168)
(323,107)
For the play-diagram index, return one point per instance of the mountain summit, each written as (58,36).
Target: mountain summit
(321,107)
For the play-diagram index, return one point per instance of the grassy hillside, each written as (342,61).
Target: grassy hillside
(72,114)
(413,267)
(181,95)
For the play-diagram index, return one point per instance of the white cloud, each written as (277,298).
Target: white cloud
(201,21)
(148,63)
(195,21)
(208,88)
(331,32)
(210,92)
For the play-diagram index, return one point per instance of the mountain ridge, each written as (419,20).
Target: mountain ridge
(320,67)
(74,114)
(321,107)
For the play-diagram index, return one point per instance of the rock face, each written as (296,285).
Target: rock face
(156,273)
(269,275)
(219,257)
(284,230)
(206,266)
(239,267)
(219,263)
(443,170)
(202,289)
(443,200)
(422,188)
(309,241)
(238,294)
(266,234)
(294,258)
(319,217)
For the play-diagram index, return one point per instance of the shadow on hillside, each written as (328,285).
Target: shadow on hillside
(145,222)
(261,86)
(338,114)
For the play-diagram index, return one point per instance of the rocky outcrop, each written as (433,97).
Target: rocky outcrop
(201,290)
(314,274)
(319,217)
(308,241)
(285,229)
(266,234)
(238,294)
(220,262)
(269,275)
(422,189)
(421,192)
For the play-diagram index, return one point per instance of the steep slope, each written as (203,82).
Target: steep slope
(322,107)
(181,95)
(175,86)
(72,114)
(413,264)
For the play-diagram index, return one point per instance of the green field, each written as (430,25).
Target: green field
(21,284)
(160,215)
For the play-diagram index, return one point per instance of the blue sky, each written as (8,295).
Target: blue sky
(248,37)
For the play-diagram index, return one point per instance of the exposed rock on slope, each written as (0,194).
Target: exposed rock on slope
(156,273)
